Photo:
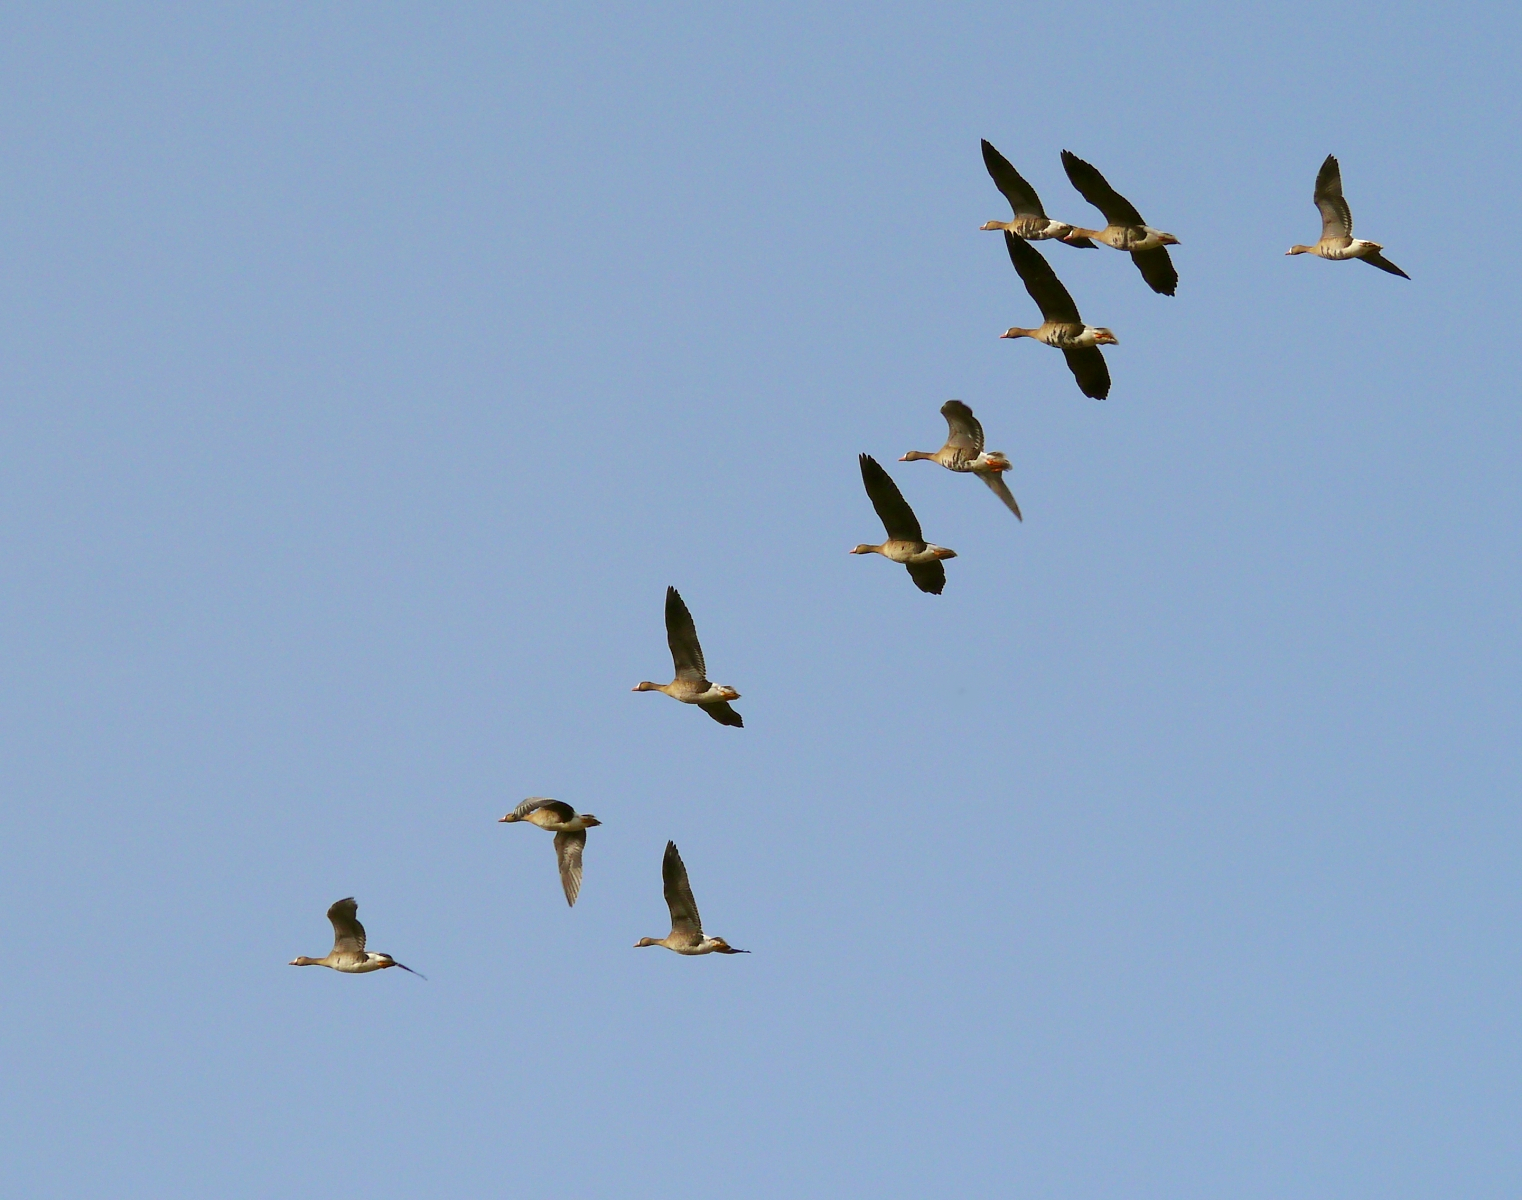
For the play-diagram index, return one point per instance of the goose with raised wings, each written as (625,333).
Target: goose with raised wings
(348,954)
(1337,241)
(1030,220)
(905,544)
(686,936)
(691,684)
(1061,327)
(1125,229)
(963,452)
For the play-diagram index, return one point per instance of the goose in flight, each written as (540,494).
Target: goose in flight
(570,830)
(1125,229)
(1337,241)
(1031,221)
(964,452)
(905,544)
(348,954)
(686,936)
(1061,327)
(691,684)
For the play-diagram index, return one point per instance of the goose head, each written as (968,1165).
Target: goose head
(647,942)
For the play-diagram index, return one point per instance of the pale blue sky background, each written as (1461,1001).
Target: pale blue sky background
(369,372)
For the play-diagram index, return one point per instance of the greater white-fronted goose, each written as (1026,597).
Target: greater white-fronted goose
(348,954)
(1126,229)
(964,452)
(686,936)
(905,544)
(1031,221)
(1061,326)
(1337,241)
(691,684)
(570,830)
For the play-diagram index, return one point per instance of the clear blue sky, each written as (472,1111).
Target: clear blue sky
(368,374)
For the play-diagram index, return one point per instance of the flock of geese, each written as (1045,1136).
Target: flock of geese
(1061,328)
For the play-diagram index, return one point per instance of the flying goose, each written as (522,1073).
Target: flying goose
(570,830)
(905,544)
(1061,327)
(1031,221)
(1126,230)
(348,953)
(686,936)
(964,451)
(691,684)
(1337,240)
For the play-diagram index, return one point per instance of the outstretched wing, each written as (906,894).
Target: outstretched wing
(1088,367)
(1097,191)
(1021,196)
(1384,264)
(682,637)
(568,848)
(723,714)
(894,511)
(928,577)
(1157,269)
(1336,216)
(348,933)
(1041,281)
(964,433)
(562,810)
(1000,489)
(684,909)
